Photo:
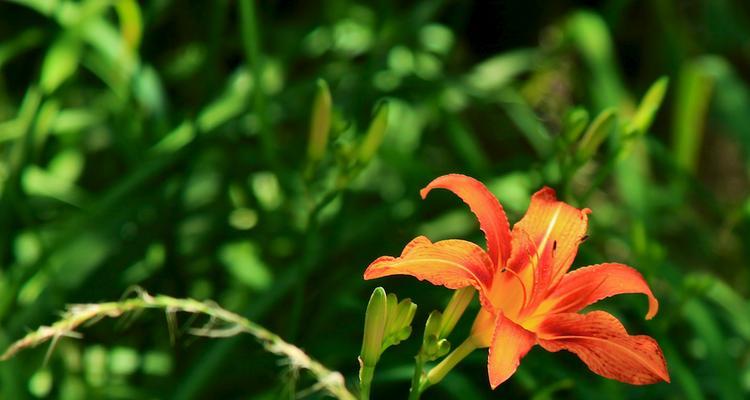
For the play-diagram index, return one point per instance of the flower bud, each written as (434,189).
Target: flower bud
(432,327)
(403,334)
(320,122)
(405,313)
(375,321)
(574,124)
(398,326)
(375,133)
(434,346)
(595,134)
(444,346)
(648,107)
(392,307)
(455,309)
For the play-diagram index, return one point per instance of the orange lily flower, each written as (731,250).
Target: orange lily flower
(528,296)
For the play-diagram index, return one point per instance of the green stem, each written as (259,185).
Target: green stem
(252,47)
(416,380)
(365,381)
(438,373)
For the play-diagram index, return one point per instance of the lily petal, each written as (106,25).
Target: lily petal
(588,285)
(450,263)
(550,221)
(489,212)
(510,343)
(601,342)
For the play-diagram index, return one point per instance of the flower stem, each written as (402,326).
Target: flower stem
(437,373)
(416,380)
(365,380)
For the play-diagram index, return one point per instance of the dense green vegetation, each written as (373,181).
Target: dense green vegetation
(166,145)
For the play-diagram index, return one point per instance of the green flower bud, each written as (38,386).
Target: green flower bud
(392,306)
(595,134)
(430,347)
(432,327)
(648,107)
(574,124)
(455,309)
(434,346)
(403,334)
(405,313)
(375,133)
(444,346)
(320,122)
(375,321)
(398,327)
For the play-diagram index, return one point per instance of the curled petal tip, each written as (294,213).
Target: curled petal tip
(440,179)
(653,307)
(485,206)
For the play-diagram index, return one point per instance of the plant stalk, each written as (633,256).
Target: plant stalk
(415,391)
(80,314)
(437,373)
(365,381)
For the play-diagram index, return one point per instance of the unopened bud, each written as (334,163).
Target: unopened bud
(648,107)
(375,133)
(404,333)
(455,309)
(405,313)
(392,306)
(574,124)
(434,346)
(320,122)
(596,133)
(375,321)
(444,346)
(432,327)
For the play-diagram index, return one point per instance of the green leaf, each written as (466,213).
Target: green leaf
(243,262)
(60,63)
(498,71)
(589,33)
(694,91)
(232,102)
(131,22)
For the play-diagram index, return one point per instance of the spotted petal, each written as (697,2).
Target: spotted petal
(509,345)
(588,285)
(450,263)
(601,342)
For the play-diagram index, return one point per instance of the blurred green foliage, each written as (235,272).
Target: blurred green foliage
(167,144)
